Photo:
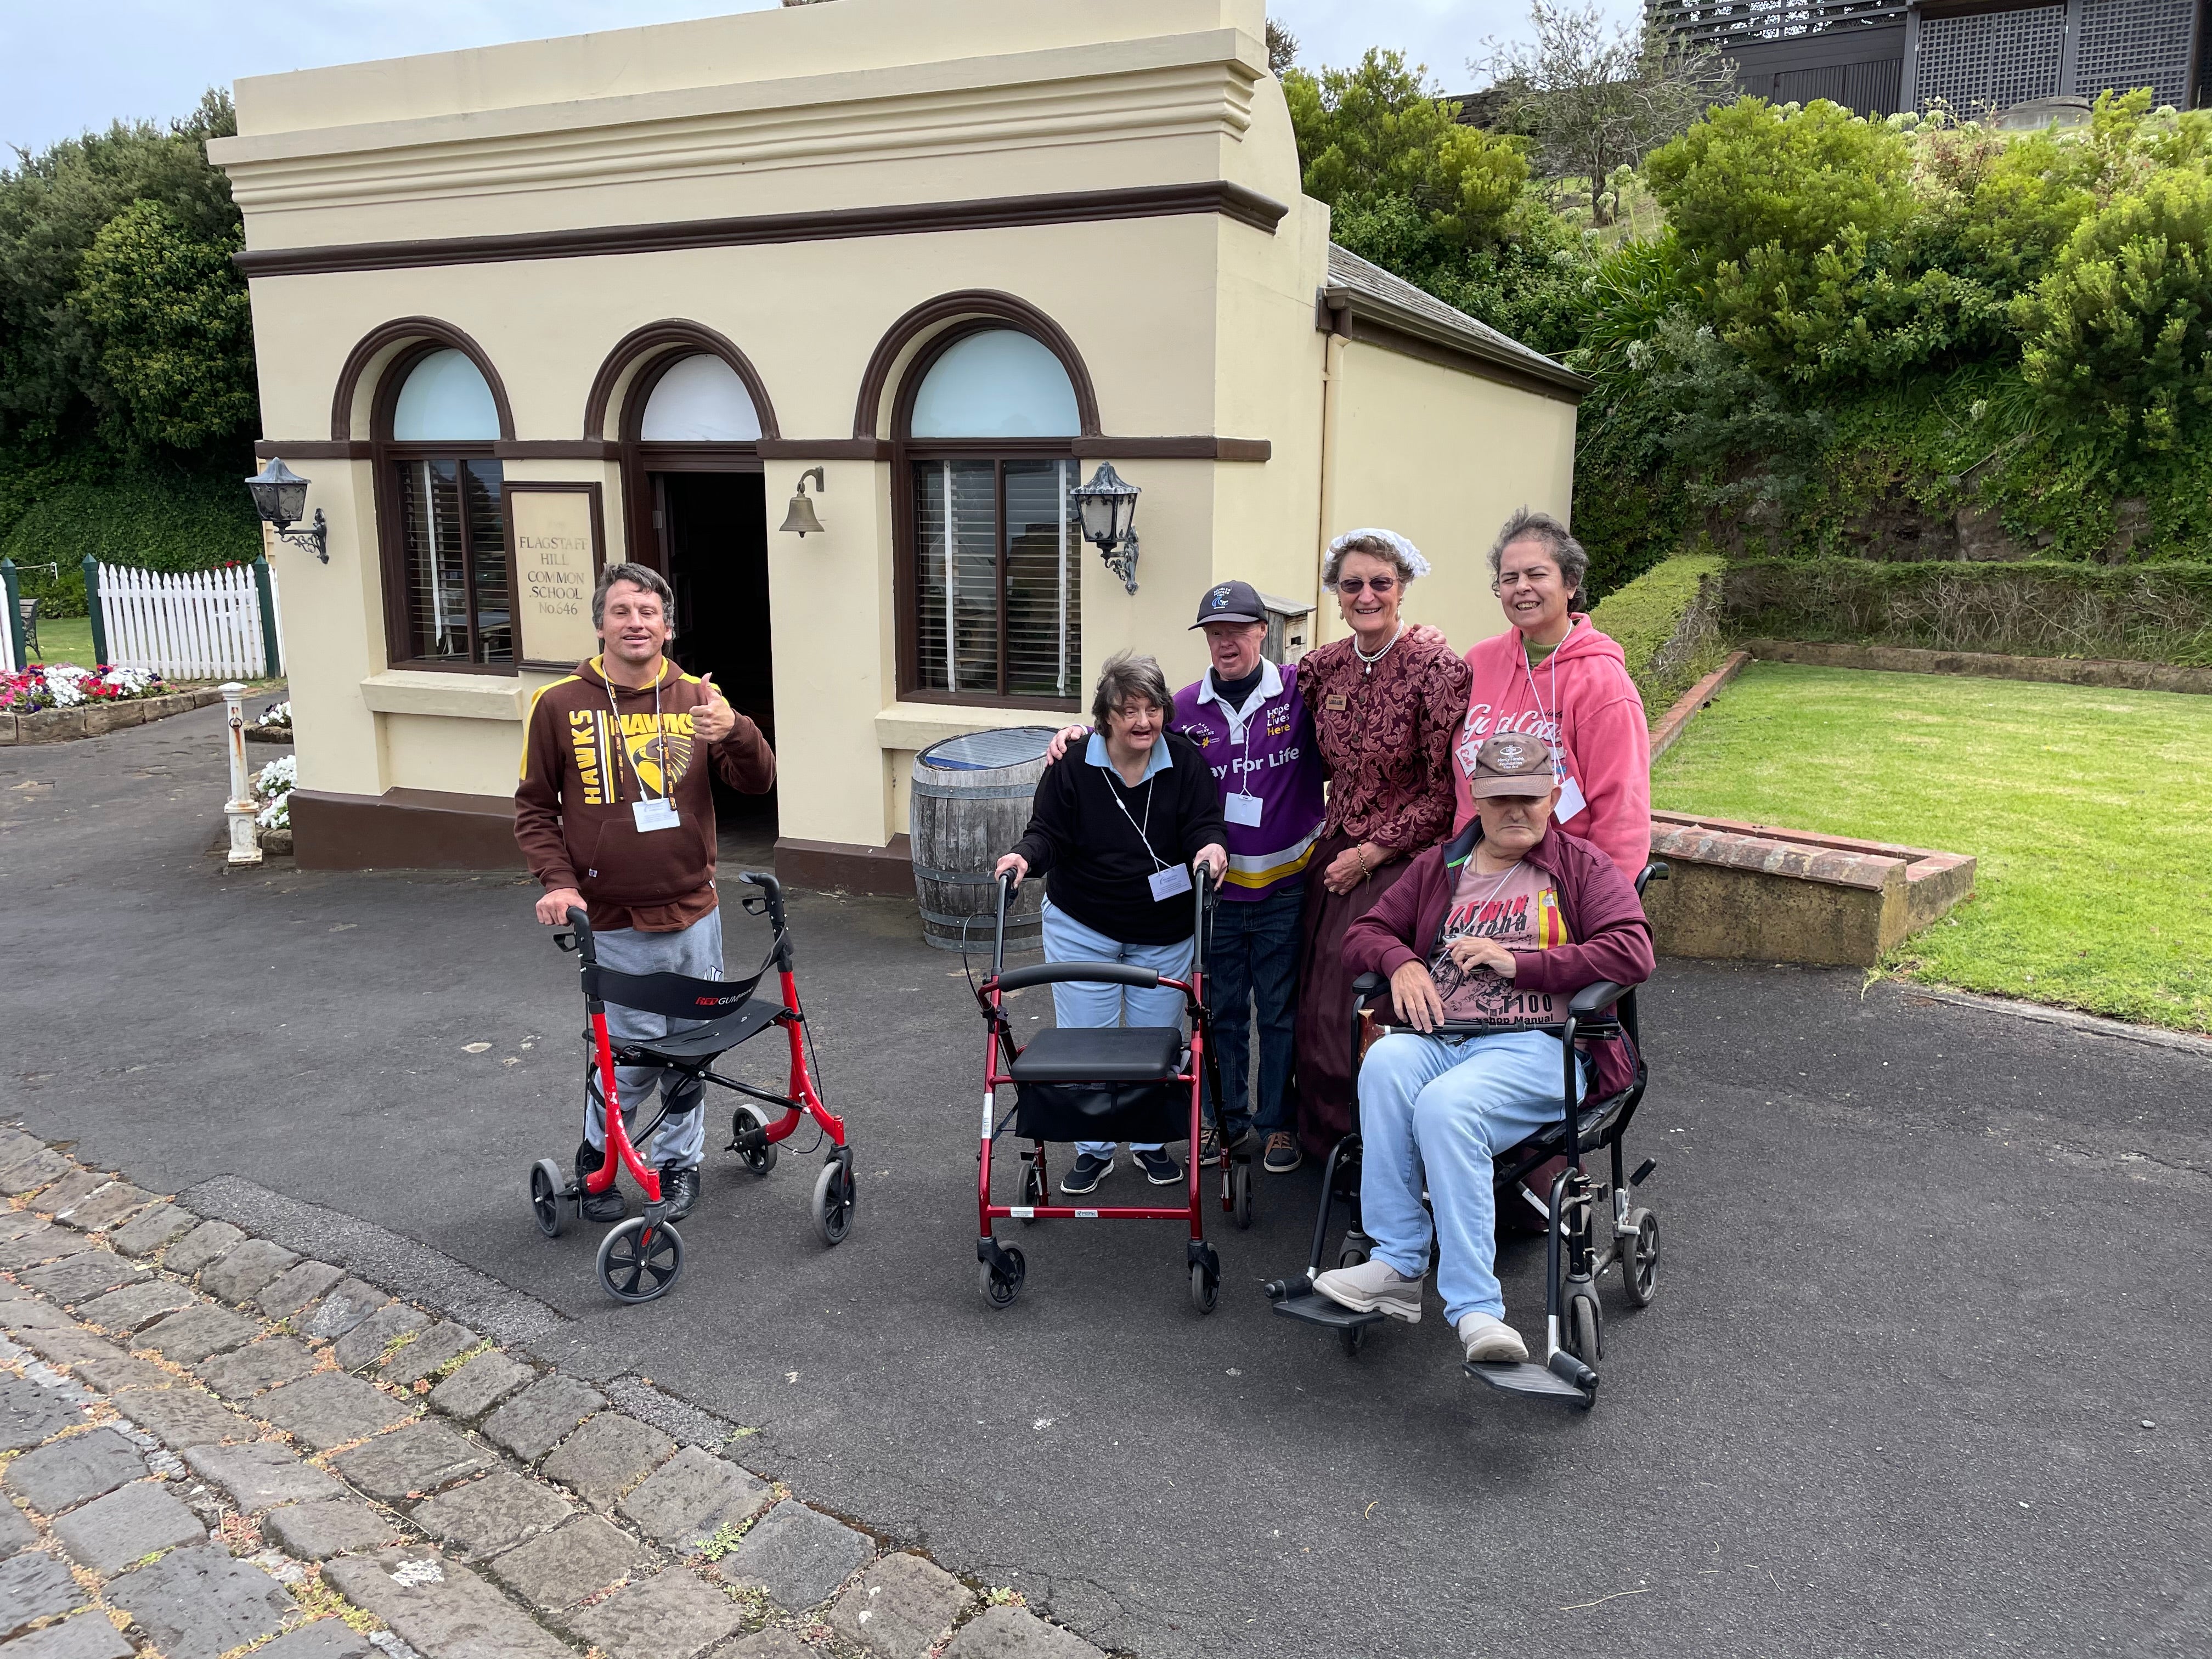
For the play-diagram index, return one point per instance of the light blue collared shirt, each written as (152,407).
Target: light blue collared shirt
(1094,752)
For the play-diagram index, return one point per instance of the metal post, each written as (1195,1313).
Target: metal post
(92,610)
(244,843)
(13,591)
(271,666)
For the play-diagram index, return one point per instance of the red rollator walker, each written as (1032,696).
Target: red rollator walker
(641,1256)
(1137,1083)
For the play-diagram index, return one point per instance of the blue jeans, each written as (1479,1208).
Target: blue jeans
(1255,957)
(1429,1104)
(696,952)
(1066,939)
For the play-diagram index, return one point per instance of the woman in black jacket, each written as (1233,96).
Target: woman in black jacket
(1116,830)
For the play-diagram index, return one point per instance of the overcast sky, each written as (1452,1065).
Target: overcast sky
(66,65)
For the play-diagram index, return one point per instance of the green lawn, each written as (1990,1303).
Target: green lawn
(65,638)
(2090,813)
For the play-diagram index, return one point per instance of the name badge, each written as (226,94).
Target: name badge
(1335,700)
(1241,809)
(1166,883)
(1570,802)
(659,813)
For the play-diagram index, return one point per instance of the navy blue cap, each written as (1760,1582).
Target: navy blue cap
(1231,602)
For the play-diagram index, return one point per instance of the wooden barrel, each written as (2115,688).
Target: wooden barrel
(970,805)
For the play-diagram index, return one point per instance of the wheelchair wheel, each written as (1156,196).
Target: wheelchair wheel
(1639,1259)
(1352,1339)
(758,1156)
(635,1273)
(1353,1251)
(546,1196)
(833,1202)
(1240,1192)
(1583,1335)
(1204,1288)
(1033,1190)
(1000,1289)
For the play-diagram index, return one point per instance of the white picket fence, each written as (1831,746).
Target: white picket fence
(186,625)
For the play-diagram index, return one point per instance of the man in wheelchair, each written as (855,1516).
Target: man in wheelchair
(1498,927)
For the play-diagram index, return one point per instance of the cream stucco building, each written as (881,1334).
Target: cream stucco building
(609,296)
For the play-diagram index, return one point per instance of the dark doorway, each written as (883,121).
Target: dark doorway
(713,534)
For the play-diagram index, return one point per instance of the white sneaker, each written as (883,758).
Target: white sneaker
(1488,1339)
(1373,1286)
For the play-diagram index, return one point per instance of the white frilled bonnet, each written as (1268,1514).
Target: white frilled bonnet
(1390,538)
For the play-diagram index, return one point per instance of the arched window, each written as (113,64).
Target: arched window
(451,581)
(991,606)
(699,399)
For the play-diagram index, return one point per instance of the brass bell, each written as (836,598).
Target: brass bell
(801,518)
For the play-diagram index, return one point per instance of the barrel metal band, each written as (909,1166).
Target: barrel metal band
(938,792)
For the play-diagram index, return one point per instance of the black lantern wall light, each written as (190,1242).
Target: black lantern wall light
(280,497)
(1109,507)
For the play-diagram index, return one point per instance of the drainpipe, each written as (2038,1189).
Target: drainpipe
(1332,373)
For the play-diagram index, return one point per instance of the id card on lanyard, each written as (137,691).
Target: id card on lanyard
(1168,879)
(651,812)
(1570,792)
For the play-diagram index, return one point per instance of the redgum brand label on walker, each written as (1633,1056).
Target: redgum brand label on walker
(659,813)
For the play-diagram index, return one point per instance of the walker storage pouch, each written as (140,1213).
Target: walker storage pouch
(1102,1111)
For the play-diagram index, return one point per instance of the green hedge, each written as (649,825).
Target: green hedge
(1667,624)
(2143,613)
(156,521)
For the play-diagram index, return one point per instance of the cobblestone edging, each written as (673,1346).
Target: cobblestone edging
(97,720)
(209,1446)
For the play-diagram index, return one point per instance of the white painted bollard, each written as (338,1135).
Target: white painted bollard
(244,842)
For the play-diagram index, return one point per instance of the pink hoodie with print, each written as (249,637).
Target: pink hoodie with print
(1582,699)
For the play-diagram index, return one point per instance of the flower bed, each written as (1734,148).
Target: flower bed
(274,725)
(272,787)
(65,685)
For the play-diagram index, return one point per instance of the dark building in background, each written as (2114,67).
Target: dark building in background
(1878,57)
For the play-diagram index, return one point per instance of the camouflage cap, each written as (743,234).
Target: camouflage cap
(1513,764)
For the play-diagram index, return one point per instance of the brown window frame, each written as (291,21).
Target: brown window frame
(906,450)
(644,506)
(385,455)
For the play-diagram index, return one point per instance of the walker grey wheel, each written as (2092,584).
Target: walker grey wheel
(833,1202)
(637,1267)
(1000,1289)
(1034,1191)
(546,1196)
(1204,1288)
(1639,1259)
(747,1133)
(1240,1192)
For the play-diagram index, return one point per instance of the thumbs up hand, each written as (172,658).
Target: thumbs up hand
(713,719)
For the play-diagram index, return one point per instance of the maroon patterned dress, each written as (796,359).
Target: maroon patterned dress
(1386,736)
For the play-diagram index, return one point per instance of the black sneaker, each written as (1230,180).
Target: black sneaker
(680,1190)
(608,1206)
(1215,1138)
(1283,1154)
(1085,1173)
(1161,1167)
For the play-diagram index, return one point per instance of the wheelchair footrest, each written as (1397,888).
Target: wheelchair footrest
(1316,1309)
(1525,1377)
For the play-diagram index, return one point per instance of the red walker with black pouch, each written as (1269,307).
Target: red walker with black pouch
(641,1257)
(1136,1083)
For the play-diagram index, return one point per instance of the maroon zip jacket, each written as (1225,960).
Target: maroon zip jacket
(1598,903)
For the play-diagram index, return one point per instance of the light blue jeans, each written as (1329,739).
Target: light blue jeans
(696,952)
(1089,1004)
(1445,1107)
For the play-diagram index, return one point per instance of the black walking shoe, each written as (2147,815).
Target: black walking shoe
(1215,1138)
(608,1206)
(1161,1167)
(1283,1154)
(1085,1173)
(680,1190)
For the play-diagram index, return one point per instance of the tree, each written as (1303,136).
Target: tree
(1376,132)
(1282,49)
(1598,99)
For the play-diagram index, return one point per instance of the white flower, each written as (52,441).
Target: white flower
(277,714)
(273,786)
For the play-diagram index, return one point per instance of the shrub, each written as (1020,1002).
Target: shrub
(1667,622)
(154,520)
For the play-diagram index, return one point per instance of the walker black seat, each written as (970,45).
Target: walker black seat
(1111,1053)
(716,1037)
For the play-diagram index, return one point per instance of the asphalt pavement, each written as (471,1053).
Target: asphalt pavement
(1926,1371)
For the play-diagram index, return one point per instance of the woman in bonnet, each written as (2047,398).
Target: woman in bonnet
(1387,703)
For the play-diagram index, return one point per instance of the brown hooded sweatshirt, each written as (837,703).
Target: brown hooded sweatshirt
(582,770)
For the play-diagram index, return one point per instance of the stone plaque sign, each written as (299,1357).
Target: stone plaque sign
(559,546)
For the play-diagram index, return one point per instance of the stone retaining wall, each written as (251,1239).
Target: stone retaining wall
(97,720)
(2060,671)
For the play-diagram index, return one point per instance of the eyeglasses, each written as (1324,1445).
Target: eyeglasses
(1378,585)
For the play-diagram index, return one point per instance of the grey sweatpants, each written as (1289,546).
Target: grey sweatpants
(696,951)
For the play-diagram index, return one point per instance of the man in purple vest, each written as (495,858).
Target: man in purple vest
(1247,718)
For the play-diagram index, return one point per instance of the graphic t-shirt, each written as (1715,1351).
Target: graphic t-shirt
(1518,908)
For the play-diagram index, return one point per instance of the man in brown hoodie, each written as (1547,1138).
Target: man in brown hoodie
(616,815)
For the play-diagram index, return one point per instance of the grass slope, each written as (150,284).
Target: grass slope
(2090,813)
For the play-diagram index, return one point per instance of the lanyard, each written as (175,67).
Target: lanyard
(1143,830)
(1243,731)
(1555,715)
(622,748)
(1481,903)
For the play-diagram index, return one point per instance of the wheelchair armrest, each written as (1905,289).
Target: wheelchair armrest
(1595,998)
(1655,871)
(1368,984)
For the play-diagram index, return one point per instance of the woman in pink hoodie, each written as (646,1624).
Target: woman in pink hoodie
(1556,677)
